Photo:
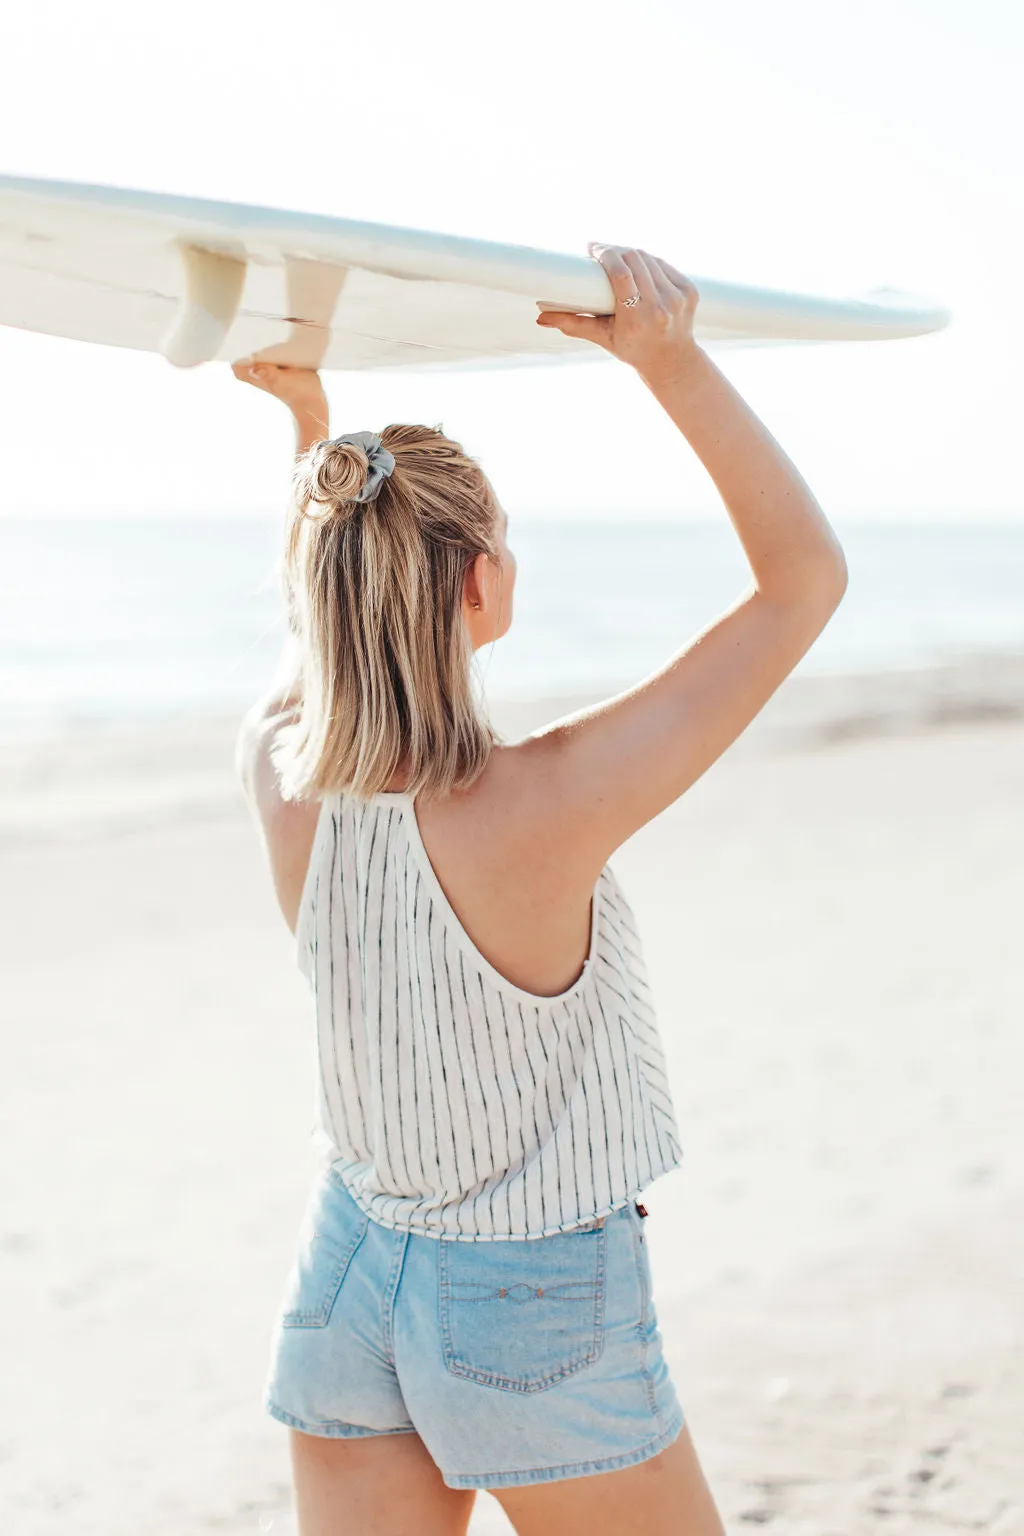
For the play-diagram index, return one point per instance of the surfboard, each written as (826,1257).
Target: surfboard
(198,281)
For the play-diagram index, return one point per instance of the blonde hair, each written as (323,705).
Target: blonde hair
(373,591)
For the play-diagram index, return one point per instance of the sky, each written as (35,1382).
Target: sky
(799,145)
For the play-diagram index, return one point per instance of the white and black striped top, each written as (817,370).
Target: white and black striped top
(450,1101)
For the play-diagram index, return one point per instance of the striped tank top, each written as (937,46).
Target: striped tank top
(451,1102)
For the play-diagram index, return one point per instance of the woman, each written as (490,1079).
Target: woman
(471,1303)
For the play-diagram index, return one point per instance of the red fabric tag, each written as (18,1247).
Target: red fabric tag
(641,1208)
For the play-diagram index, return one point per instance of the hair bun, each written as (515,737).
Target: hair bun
(338,471)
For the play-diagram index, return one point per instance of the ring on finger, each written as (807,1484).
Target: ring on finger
(628,303)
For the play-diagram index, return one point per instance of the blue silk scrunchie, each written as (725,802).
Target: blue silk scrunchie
(382,461)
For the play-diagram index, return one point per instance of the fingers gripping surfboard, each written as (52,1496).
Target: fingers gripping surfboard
(198,281)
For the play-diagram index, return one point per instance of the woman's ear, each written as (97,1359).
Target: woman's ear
(473,585)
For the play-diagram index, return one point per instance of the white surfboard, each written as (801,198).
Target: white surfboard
(198,280)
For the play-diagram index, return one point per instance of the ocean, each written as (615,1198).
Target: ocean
(120,619)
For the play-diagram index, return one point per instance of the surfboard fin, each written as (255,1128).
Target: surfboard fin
(211,292)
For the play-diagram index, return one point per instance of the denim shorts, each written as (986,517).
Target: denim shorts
(516,1361)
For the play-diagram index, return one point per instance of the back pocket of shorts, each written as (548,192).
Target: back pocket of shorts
(326,1248)
(522,1315)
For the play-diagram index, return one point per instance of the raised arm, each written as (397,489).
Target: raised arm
(301,390)
(286,826)
(613,767)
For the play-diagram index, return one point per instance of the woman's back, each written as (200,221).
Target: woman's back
(451,1098)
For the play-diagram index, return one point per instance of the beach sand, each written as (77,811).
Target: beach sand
(832,918)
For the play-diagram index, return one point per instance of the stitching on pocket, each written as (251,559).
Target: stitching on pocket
(317,1278)
(522,1320)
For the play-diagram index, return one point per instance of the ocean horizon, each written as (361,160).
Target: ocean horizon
(117,619)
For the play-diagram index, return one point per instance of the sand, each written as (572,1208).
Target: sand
(833,924)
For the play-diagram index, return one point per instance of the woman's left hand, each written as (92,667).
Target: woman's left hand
(299,389)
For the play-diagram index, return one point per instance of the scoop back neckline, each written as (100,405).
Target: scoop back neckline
(458,930)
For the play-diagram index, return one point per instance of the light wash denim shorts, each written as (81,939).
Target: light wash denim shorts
(516,1361)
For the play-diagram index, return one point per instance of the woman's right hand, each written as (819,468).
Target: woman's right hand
(655,335)
(299,389)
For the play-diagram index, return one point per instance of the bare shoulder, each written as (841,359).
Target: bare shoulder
(287,827)
(509,807)
(510,824)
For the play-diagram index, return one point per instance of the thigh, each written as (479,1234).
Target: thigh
(664,1496)
(381,1485)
